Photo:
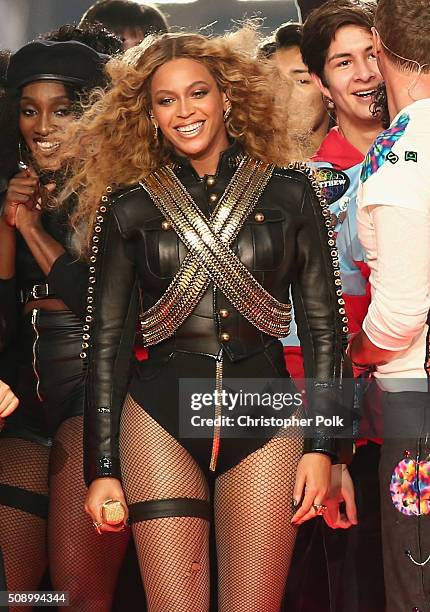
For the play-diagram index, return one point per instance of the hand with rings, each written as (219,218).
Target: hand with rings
(311,488)
(106,505)
(319,509)
(97,527)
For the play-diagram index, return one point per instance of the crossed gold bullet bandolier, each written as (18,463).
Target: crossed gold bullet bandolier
(210,257)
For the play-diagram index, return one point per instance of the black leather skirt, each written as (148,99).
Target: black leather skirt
(50,375)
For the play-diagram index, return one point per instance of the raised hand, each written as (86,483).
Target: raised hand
(23,188)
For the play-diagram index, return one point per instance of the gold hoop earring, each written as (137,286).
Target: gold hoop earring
(155,129)
(227,111)
(154,126)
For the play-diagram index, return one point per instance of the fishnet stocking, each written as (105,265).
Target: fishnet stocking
(254,535)
(23,464)
(173,552)
(81,561)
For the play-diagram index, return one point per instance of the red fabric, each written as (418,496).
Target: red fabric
(140,352)
(364,441)
(356,307)
(338,151)
(364,268)
(294,362)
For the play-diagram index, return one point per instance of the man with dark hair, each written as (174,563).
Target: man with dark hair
(394,227)
(131,21)
(309,118)
(337,47)
(324,23)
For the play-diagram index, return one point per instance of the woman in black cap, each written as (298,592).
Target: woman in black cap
(40,446)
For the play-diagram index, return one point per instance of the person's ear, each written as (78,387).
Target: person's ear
(377,44)
(323,89)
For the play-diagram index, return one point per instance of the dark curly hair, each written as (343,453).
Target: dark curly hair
(93,35)
(118,15)
(379,106)
(4,61)
(286,36)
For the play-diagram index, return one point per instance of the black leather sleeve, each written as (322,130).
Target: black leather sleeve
(319,322)
(68,278)
(112,334)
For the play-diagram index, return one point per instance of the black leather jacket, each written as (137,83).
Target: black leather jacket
(289,247)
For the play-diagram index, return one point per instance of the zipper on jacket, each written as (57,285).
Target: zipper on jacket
(36,339)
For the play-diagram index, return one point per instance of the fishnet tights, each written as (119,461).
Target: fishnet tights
(254,534)
(173,552)
(81,561)
(23,535)
(253,511)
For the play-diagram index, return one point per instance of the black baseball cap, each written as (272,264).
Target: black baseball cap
(69,62)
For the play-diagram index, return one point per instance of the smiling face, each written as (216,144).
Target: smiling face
(44,114)
(351,74)
(188,107)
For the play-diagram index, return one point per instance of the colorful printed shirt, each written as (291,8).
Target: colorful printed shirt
(393,221)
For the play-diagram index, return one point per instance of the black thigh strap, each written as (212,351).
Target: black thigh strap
(27,501)
(164,508)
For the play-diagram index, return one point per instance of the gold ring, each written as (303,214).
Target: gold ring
(319,508)
(113,512)
(97,526)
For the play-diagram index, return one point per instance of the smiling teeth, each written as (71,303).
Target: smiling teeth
(189,129)
(47,146)
(363,94)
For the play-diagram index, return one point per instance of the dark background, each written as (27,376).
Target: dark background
(23,20)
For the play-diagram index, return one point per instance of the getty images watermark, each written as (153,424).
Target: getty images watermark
(243,408)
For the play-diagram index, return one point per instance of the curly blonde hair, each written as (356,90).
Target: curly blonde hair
(113,142)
